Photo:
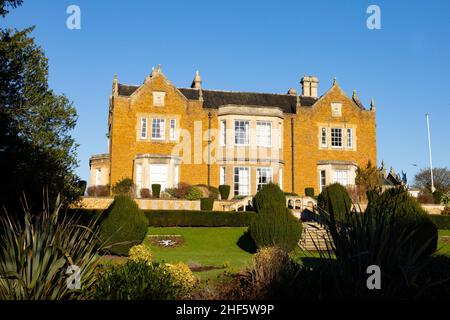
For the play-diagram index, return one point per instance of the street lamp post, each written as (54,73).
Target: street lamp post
(429,151)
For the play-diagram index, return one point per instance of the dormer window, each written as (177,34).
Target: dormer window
(158,98)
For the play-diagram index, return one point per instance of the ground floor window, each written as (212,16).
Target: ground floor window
(98,174)
(280,178)
(341,177)
(263,176)
(241,181)
(323,179)
(222,175)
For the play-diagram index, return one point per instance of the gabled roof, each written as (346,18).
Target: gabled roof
(215,98)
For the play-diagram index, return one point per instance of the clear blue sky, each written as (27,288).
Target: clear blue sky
(257,46)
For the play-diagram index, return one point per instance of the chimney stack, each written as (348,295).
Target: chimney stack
(309,86)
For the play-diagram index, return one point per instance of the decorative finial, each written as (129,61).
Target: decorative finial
(372,105)
(354,93)
(334,81)
(392,172)
(197,82)
(159,68)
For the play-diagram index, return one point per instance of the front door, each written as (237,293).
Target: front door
(158,175)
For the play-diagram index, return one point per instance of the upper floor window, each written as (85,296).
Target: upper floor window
(223,132)
(143,128)
(264,133)
(241,132)
(349,138)
(172,129)
(336,137)
(158,98)
(158,129)
(280,135)
(323,137)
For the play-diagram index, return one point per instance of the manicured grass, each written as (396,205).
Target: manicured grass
(444,246)
(225,247)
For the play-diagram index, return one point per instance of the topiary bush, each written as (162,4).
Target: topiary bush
(124,226)
(156,190)
(194,194)
(276,227)
(335,202)
(224,190)
(437,195)
(309,192)
(124,187)
(206,204)
(269,197)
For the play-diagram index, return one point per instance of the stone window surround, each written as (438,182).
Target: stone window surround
(145,160)
(329,166)
(167,118)
(344,128)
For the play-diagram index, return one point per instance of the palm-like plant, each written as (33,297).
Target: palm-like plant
(35,253)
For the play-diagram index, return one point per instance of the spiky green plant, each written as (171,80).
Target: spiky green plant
(36,251)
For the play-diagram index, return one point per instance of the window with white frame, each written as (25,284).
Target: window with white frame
(341,177)
(280,178)
(323,179)
(336,137)
(158,98)
(158,129)
(143,131)
(222,175)
(323,137)
(264,133)
(241,181)
(241,132)
(138,179)
(172,129)
(263,177)
(176,176)
(349,138)
(223,132)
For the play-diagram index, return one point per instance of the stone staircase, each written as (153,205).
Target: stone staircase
(314,237)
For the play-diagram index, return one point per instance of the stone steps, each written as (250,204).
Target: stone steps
(314,237)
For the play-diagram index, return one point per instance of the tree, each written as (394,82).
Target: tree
(5,5)
(367,179)
(441,179)
(37,151)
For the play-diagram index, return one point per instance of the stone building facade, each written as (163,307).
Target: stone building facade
(161,134)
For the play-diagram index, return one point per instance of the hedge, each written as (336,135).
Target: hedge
(441,222)
(187,218)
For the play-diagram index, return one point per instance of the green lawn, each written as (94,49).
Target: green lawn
(444,246)
(224,247)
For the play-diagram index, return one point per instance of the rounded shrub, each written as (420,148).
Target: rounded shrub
(182,276)
(135,281)
(140,253)
(224,190)
(124,187)
(407,218)
(206,204)
(335,201)
(124,226)
(194,194)
(269,197)
(309,192)
(156,190)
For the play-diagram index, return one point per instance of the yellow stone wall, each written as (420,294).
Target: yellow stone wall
(125,143)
